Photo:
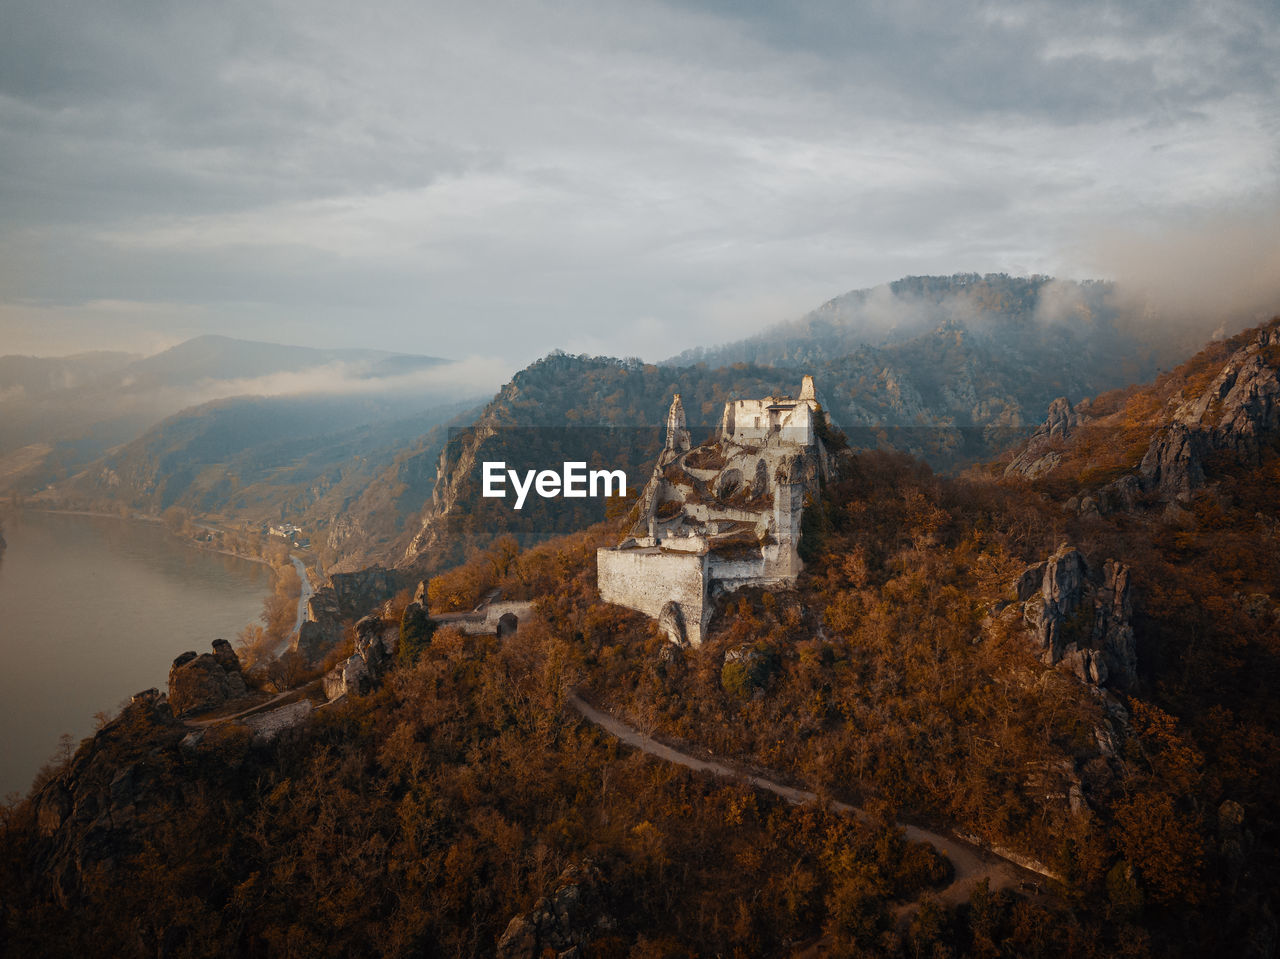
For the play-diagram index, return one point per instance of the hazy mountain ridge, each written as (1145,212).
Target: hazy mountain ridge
(965,352)
(303,459)
(999,305)
(31,376)
(96,401)
(964,369)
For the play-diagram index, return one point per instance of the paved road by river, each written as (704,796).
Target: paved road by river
(303,596)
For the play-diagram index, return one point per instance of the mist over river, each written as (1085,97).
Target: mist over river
(94,609)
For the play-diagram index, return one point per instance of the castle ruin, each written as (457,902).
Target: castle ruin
(718,517)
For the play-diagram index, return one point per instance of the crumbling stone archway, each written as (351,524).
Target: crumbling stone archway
(671,622)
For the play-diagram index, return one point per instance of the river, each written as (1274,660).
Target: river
(94,609)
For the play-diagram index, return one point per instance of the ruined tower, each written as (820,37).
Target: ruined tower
(677,432)
(717,517)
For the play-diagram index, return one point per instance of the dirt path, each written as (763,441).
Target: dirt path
(971,863)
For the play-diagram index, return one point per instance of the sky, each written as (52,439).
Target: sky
(487,182)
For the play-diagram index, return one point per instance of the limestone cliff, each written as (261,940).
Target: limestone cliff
(1161,443)
(344,598)
(1081,618)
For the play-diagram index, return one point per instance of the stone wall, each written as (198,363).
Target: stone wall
(646,580)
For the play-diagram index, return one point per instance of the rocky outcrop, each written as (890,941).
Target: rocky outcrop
(375,649)
(349,678)
(1080,621)
(562,922)
(1121,495)
(376,642)
(117,784)
(1238,411)
(1234,418)
(671,623)
(1112,630)
(313,641)
(357,593)
(1243,401)
(1040,455)
(1050,612)
(1172,466)
(1251,410)
(206,681)
(345,597)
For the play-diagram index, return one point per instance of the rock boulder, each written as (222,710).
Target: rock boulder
(205,681)
(1041,453)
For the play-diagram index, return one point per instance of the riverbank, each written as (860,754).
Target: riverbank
(154,520)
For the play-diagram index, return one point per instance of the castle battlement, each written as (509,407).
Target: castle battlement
(717,517)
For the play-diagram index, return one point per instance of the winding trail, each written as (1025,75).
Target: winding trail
(971,863)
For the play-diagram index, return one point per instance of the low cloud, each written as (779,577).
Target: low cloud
(1216,272)
(470,378)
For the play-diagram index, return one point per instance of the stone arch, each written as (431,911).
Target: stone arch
(508,623)
(727,483)
(671,622)
(760,485)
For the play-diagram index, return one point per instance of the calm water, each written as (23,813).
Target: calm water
(95,609)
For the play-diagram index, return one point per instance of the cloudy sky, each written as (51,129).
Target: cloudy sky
(633,178)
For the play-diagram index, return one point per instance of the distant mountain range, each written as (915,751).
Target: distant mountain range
(307,459)
(355,446)
(57,415)
(953,369)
